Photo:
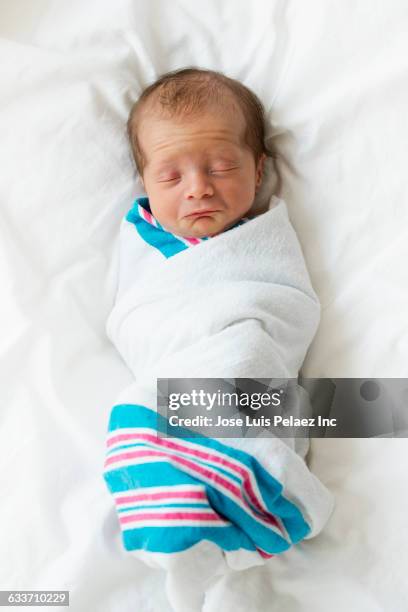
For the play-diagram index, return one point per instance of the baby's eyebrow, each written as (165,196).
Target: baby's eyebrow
(161,167)
(230,155)
(226,158)
(226,148)
(157,167)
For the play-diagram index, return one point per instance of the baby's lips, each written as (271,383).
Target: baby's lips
(200,213)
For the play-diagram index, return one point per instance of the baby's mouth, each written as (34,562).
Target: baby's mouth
(199,213)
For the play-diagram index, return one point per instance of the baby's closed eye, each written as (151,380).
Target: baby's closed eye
(220,170)
(172,177)
(168,178)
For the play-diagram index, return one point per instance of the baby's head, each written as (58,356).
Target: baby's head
(198,141)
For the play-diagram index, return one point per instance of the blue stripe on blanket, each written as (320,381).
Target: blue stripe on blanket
(157,237)
(171,493)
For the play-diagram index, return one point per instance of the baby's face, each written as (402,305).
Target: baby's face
(199,176)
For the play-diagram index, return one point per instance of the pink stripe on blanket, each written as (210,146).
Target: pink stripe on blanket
(192,240)
(264,554)
(166,495)
(201,516)
(147,216)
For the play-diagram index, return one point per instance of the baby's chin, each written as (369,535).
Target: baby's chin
(200,228)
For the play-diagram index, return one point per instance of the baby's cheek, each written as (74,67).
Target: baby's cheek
(163,211)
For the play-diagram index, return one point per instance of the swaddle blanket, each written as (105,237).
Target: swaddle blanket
(237,305)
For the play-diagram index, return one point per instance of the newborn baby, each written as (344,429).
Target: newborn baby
(238,304)
(198,142)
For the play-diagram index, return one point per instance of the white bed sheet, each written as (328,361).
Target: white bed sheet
(332,74)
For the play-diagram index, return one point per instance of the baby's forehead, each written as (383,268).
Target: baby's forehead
(204,152)
(220,132)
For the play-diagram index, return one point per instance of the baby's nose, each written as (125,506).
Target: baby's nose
(198,186)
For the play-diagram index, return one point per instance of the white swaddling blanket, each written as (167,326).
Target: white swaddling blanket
(238,305)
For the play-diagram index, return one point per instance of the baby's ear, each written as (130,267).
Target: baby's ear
(260,169)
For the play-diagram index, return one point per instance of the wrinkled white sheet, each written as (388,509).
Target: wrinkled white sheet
(332,74)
